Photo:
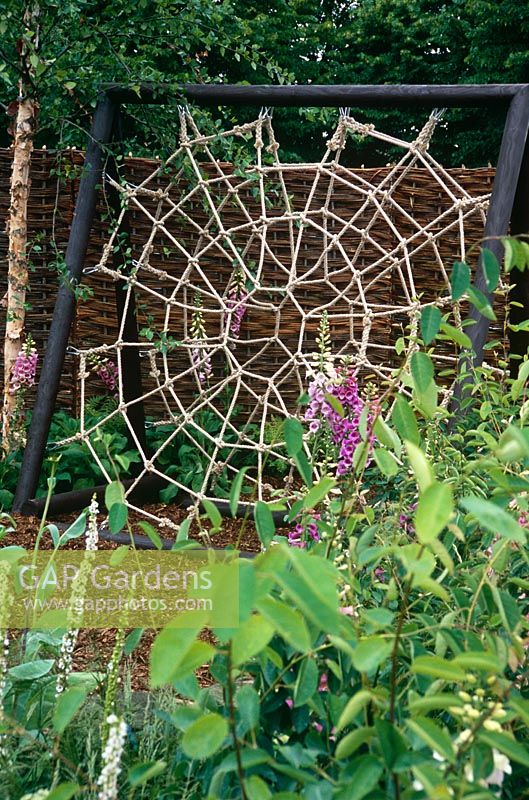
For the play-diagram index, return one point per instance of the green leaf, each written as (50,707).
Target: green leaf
(481,303)
(118,555)
(256,788)
(287,621)
(355,704)
(335,404)
(521,706)
(513,445)
(76,529)
(506,745)
(304,468)
(420,465)
(32,670)
(205,736)
(392,743)
(132,641)
(516,254)
(387,436)
(12,553)
(481,661)
(369,653)
(434,702)
(491,269)
(251,637)
(404,420)
(152,533)
(67,706)
(312,585)
(460,279)
(430,321)
(318,492)
(235,490)
(114,493)
(117,517)
(494,519)
(435,737)
(385,462)
(293,432)
(421,371)
(520,381)
(213,514)
(457,336)
(168,651)
(353,740)
(426,402)
(196,656)
(439,668)
(141,773)
(433,511)
(64,791)
(247,702)
(264,522)
(306,682)
(365,778)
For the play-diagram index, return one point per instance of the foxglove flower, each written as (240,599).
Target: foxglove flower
(298,536)
(25,367)
(200,357)
(236,303)
(108,372)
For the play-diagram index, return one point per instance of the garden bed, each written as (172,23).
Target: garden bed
(94,646)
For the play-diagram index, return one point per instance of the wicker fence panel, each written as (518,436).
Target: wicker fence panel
(54,185)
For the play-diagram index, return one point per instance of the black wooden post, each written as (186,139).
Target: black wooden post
(126,313)
(501,203)
(519,294)
(510,180)
(501,206)
(65,304)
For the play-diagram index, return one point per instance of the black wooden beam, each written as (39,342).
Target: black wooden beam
(65,304)
(315,95)
(146,490)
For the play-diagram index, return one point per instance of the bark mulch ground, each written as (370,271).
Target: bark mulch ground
(94,647)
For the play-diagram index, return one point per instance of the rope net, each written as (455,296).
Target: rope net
(231,335)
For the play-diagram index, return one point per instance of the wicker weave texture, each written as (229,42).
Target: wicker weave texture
(54,185)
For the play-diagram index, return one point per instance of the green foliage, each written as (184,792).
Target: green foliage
(386,657)
(82,45)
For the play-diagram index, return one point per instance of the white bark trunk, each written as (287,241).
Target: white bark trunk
(17,279)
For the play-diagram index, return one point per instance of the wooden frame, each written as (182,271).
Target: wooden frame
(509,206)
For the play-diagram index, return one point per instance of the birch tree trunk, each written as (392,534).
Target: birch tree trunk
(17,277)
(17,224)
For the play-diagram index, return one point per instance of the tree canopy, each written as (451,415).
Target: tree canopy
(80,44)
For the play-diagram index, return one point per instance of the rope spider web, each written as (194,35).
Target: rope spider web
(232,325)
